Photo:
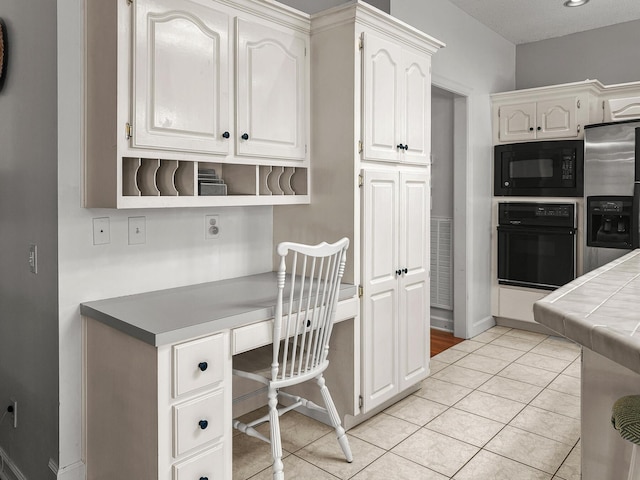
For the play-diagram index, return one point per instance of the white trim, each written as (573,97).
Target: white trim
(75,471)
(481,325)
(14,472)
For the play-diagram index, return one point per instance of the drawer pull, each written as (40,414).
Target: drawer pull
(203,424)
(203,366)
(204,478)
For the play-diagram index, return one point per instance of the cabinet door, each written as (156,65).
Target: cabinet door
(416,121)
(557,118)
(271,92)
(380,303)
(414,253)
(517,122)
(181,77)
(381,99)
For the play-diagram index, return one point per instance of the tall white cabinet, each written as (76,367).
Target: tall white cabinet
(370,180)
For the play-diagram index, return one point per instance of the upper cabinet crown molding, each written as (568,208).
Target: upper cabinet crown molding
(377,20)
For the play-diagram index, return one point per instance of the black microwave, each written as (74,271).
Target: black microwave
(539,169)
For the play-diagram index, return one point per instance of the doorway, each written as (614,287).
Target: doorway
(449,147)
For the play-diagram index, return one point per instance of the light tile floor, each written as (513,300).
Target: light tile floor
(504,405)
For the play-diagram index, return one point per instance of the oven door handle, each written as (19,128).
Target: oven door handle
(537,230)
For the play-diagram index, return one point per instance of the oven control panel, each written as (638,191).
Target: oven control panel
(537,214)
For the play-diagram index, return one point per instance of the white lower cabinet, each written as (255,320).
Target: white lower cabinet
(157,412)
(395,265)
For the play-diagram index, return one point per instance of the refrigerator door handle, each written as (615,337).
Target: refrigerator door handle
(635,216)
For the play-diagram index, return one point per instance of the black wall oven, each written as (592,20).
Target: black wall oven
(536,244)
(540,169)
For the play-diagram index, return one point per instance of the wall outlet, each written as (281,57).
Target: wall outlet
(211,226)
(137,230)
(101,234)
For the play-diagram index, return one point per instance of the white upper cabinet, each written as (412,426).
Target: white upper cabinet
(557,118)
(271,92)
(196,103)
(546,113)
(181,78)
(397,102)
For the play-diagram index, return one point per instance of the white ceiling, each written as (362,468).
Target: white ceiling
(524,21)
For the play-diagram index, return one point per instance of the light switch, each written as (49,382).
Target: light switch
(101,234)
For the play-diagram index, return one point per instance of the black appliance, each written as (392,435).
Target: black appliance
(539,169)
(612,191)
(536,244)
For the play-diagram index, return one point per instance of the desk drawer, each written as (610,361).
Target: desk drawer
(198,363)
(198,422)
(207,465)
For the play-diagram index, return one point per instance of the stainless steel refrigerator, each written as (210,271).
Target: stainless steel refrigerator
(611,191)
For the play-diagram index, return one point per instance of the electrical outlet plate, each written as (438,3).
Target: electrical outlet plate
(211,226)
(137,230)
(101,234)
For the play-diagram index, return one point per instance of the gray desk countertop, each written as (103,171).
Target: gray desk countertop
(600,310)
(168,316)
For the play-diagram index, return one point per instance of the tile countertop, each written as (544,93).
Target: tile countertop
(167,316)
(600,310)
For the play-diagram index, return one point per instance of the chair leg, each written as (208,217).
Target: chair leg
(335,419)
(276,443)
(634,467)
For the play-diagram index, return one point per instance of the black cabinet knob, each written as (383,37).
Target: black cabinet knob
(398,272)
(400,146)
(203,424)
(531,129)
(204,478)
(225,135)
(405,270)
(406,147)
(203,366)
(539,128)
(245,136)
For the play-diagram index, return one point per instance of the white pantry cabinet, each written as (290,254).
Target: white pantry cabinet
(385,211)
(395,263)
(397,101)
(177,89)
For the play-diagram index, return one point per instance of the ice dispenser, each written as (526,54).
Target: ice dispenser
(610,222)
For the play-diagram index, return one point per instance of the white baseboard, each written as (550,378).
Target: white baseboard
(481,325)
(9,470)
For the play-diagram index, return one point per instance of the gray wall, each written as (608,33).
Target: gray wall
(28,214)
(442,150)
(609,54)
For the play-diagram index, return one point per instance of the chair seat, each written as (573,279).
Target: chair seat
(625,417)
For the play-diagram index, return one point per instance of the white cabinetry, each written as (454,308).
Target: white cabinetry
(395,262)
(160,412)
(271,92)
(621,102)
(546,113)
(397,101)
(165,81)
(367,59)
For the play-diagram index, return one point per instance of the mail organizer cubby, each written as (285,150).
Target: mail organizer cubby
(207,183)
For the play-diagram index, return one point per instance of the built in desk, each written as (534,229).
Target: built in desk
(601,311)
(158,375)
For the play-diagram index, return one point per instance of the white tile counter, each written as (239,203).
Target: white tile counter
(601,311)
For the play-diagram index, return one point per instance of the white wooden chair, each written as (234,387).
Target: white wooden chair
(303,322)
